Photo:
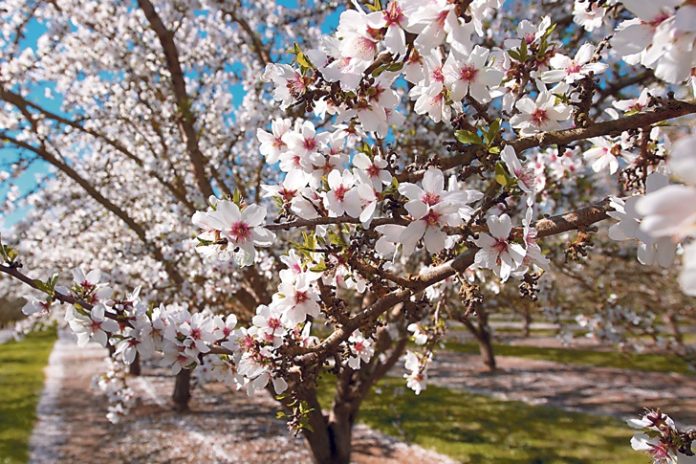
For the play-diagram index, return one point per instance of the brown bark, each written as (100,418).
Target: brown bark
(134,368)
(182,390)
(482,333)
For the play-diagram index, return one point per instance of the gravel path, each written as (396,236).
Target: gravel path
(606,391)
(6,335)
(223,427)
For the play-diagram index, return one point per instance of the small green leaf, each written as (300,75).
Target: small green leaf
(468,138)
(500,174)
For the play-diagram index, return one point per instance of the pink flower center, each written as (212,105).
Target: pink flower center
(240,231)
(286,194)
(301,297)
(248,342)
(437,75)
(196,334)
(373,171)
(573,68)
(468,73)
(500,246)
(310,144)
(430,198)
(359,347)
(340,192)
(539,116)
(273,323)
(296,85)
(278,143)
(393,15)
(432,218)
(95,325)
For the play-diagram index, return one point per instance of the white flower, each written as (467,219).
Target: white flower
(671,211)
(497,252)
(272,145)
(34,306)
(361,349)
(393,18)
(527,178)
(470,76)
(540,115)
(269,324)
(242,229)
(372,171)
(417,376)
(93,327)
(289,84)
(572,70)
(299,300)
(606,154)
(420,337)
(342,198)
(588,15)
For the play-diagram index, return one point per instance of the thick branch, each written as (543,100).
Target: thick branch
(187,120)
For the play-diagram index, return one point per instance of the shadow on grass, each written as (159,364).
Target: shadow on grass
(641,362)
(21,382)
(477,429)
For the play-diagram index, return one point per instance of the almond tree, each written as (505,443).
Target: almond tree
(421,150)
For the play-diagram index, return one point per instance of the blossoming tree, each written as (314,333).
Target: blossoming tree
(370,181)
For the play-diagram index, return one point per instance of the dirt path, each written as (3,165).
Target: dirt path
(605,391)
(223,427)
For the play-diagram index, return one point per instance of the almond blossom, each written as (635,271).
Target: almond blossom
(497,252)
(572,70)
(469,75)
(606,153)
(243,229)
(542,114)
(92,326)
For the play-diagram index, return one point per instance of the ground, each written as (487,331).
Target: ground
(223,427)
(566,413)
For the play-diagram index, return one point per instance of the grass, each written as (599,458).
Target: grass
(21,382)
(642,362)
(477,429)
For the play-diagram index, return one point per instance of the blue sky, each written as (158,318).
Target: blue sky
(39,169)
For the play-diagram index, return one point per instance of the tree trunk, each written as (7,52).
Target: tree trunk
(527,327)
(330,444)
(486,349)
(134,368)
(673,323)
(482,333)
(182,390)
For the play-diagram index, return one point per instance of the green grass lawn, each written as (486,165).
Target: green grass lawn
(21,382)
(478,429)
(641,362)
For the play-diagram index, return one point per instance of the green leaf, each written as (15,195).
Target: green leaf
(468,138)
(301,59)
(237,198)
(320,267)
(493,131)
(501,176)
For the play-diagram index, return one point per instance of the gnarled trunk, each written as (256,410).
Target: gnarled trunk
(182,390)
(330,437)
(486,350)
